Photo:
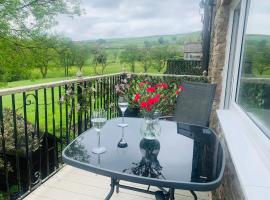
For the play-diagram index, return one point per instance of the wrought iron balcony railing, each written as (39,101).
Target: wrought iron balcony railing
(37,122)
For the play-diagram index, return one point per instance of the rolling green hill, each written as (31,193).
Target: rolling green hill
(139,41)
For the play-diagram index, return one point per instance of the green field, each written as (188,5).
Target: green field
(177,39)
(57,74)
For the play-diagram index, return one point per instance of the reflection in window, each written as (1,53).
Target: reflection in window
(254,82)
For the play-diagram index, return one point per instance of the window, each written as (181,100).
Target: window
(229,82)
(253,90)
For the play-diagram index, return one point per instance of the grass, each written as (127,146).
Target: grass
(57,74)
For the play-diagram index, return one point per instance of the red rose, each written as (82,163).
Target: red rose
(143,104)
(148,108)
(157,96)
(157,85)
(150,89)
(141,83)
(164,85)
(181,88)
(137,97)
(151,101)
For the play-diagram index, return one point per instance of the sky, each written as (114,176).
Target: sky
(259,17)
(131,18)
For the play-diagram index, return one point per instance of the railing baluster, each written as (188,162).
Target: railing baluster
(73,113)
(46,131)
(95,94)
(79,113)
(29,161)
(114,99)
(103,94)
(109,96)
(98,93)
(107,100)
(90,103)
(15,136)
(61,120)
(38,135)
(66,109)
(2,129)
(55,155)
(84,106)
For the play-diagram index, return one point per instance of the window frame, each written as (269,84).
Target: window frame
(237,66)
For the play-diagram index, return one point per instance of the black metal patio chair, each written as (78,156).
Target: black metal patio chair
(194,104)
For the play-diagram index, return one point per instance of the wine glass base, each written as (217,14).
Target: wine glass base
(99,150)
(122,125)
(122,144)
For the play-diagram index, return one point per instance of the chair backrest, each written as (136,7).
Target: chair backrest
(194,104)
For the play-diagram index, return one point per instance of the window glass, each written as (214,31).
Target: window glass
(254,78)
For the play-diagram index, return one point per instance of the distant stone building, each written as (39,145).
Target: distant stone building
(193,51)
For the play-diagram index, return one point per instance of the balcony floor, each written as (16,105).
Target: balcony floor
(75,184)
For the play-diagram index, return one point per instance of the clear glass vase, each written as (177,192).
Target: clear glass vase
(150,127)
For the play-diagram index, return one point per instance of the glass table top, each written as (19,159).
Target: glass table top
(182,153)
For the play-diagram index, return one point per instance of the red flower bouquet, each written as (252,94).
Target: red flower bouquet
(150,96)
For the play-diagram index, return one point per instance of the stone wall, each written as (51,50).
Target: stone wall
(230,188)
(218,49)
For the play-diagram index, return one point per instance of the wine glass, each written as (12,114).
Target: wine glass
(99,118)
(123,105)
(122,143)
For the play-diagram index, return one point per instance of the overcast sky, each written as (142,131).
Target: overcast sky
(131,18)
(259,17)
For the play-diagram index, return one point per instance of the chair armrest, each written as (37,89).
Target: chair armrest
(169,117)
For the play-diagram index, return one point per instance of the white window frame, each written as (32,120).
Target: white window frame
(237,62)
(256,135)
(248,146)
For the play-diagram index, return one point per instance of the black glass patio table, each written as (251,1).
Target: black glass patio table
(184,156)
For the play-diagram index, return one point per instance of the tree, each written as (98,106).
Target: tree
(100,58)
(257,55)
(262,57)
(115,54)
(147,44)
(15,16)
(159,56)
(66,52)
(101,41)
(15,60)
(82,52)
(44,53)
(22,22)
(145,58)
(130,55)
(161,40)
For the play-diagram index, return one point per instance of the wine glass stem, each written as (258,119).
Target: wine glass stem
(123,134)
(98,132)
(123,114)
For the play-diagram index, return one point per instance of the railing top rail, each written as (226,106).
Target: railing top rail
(260,80)
(169,75)
(14,90)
